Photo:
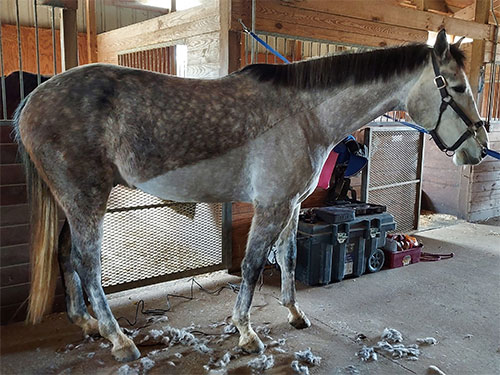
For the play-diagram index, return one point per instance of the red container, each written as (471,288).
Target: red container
(402,258)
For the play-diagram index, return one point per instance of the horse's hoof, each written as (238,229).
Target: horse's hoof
(126,353)
(299,322)
(251,344)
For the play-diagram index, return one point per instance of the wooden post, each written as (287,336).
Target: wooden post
(91,31)
(421,4)
(69,39)
(481,15)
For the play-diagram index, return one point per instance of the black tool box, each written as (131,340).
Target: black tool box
(329,252)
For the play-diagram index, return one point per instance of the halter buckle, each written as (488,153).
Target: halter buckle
(440,82)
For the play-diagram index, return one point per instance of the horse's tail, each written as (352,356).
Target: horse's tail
(44,234)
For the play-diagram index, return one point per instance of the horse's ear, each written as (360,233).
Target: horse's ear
(441,47)
(457,43)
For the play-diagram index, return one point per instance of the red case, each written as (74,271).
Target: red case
(402,258)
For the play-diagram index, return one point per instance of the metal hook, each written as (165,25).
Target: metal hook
(245,29)
(449,153)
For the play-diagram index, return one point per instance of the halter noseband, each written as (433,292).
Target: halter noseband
(447,100)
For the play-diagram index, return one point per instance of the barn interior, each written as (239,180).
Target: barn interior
(183,260)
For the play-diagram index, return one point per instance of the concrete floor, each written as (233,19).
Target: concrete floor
(456,301)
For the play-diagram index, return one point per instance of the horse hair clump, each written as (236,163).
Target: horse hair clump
(127,370)
(299,369)
(308,357)
(183,337)
(261,363)
(230,329)
(399,350)
(391,344)
(367,353)
(224,361)
(391,335)
(147,364)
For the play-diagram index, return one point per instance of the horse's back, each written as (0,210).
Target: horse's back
(146,123)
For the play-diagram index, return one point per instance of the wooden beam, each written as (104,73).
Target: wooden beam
(66,4)
(271,16)
(481,15)
(91,31)
(69,39)
(182,25)
(466,13)
(225,20)
(397,16)
(421,4)
(288,28)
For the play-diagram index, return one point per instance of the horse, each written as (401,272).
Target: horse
(259,135)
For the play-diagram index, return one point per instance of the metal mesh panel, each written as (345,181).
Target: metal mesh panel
(145,237)
(393,177)
(394,157)
(400,202)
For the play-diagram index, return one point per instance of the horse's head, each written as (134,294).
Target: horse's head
(441,101)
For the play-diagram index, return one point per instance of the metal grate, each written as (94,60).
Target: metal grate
(393,175)
(400,202)
(394,157)
(146,237)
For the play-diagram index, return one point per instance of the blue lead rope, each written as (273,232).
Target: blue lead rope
(492,153)
(487,151)
(267,46)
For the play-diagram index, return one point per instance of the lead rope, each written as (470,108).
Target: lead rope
(487,151)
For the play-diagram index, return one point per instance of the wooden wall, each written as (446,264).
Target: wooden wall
(28,47)
(14,210)
(199,28)
(14,235)
(484,183)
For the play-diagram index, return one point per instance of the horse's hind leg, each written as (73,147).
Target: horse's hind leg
(286,255)
(267,224)
(75,302)
(86,235)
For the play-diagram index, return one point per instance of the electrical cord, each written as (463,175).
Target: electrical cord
(159,312)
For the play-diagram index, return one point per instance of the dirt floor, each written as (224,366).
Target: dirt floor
(455,301)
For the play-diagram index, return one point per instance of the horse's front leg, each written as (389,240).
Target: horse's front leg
(286,255)
(267,224)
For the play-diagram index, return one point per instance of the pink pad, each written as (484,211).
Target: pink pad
(326,172)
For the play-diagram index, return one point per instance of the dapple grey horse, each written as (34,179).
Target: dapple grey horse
(260,135)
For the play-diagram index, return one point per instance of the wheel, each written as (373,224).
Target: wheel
(375,261)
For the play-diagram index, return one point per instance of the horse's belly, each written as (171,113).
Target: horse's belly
(214,180)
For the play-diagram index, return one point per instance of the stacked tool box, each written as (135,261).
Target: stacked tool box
(341,241)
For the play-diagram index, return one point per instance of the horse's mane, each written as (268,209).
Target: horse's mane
(379,64)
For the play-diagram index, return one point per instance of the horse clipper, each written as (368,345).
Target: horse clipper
(43,241)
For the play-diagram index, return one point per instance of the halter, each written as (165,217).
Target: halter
(447,100)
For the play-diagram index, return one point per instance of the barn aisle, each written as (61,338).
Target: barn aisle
(456,301)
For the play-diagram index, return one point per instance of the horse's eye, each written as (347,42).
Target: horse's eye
(460,89)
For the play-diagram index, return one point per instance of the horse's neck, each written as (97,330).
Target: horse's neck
(350,107)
